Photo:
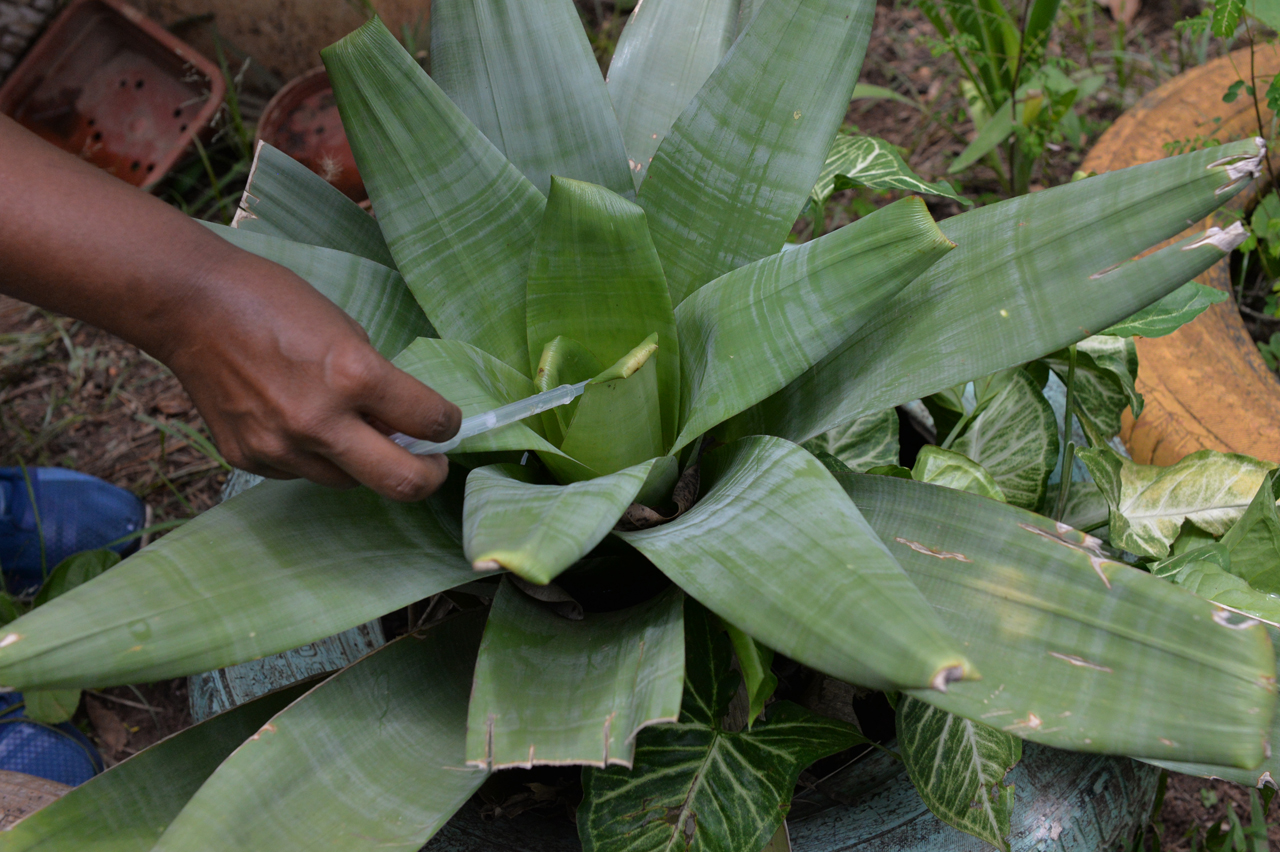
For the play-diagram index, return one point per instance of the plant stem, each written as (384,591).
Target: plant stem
(35,511)
(819,220)
(1069,446)
(955,431)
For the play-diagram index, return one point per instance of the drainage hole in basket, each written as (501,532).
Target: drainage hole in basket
(138,85)
(92,122)
(182,129)
(136,165)
(151,167)
(97,136)
(124,83)
(177,112)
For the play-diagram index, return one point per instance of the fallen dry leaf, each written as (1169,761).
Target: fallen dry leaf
(107,725)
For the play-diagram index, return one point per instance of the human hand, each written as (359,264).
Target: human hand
(290,386)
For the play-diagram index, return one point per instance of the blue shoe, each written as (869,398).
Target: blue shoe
(77,512)
(56,752)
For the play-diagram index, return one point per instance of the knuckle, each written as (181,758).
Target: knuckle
(443,420)
(413,483)
(354,371)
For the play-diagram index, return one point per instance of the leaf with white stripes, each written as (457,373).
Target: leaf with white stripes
(873,163)
(958,767)
(696,786)
(867,442)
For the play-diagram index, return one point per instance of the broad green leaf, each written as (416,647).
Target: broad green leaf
(697,786)
(1207,572)
(1106,369)
(866,91)
(281,565)
(51,707)
(1150,503)
(1030,275)
(1226,16)
(730,178)
(371,758)
(958,767)
(1254,540)
(871,162)
(996,129)
(952,470)
(126,808)
(842,606)
(285,199)
(536,530)
(458,218)
(1074,649)
(752,331)
(867,442)
(617,424)
(595,278)
(371,294)
(75,570)
(754,661)
(525,75)
(552,691)
(664,55)
(564,361)
(1086,507)
(477,382)
(1015,439)
(1170,313)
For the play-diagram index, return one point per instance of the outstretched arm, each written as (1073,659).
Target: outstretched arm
(286,381)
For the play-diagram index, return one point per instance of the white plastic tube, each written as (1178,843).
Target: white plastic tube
(502,416)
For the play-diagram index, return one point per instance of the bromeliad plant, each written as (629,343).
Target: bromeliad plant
(539,225)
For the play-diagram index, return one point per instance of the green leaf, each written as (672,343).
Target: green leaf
(1086,507)
(552,691)
(617,425)
(755,662)
(536,530)
(1254,540)
(999,127)
(729,180)
(525,75)
(564,361)
(752,331)
(1150,503)
(1015,439)
(866,91)
(1170,313)
(285,199)
(459,219)
(371,294)
(281,565)
(126,808)
(1106,369)
(855,161)
(843,606)
(952,470)
(1075,649)
(477,382)
(51,707)
(1207,572)
(664,55)
(958,766)
(596,278)
(697,786)
(1030,275)
(75,570)
(371,758)
(1226,16)
(867,442)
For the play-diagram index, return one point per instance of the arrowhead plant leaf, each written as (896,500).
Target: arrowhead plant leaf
(867,442)
(670,799)
(1015,438)
(1106,368)
(871,162)
(1170,313)
(1149,503)
(958,766)
(953,470)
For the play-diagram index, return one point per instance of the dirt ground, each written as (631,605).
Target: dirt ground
(74,396)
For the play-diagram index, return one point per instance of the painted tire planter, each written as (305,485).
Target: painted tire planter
(1206,386)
